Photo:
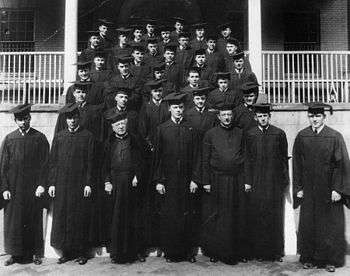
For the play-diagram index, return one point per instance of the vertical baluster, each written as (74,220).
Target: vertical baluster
(346,78)
(278,78)
(268,75)
(283,72)
(14,80)
(8,78)
(30,76)
(3,59)
(45,77)
(39,84)
(327,78)
(25,77)
(313,76)
(60,76)
(289,91)
(55,77)
(35,77)
(293,78)
(307,75)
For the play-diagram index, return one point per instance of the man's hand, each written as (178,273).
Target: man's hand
(300,194)
(108,187)
(247,188)
(160,189)
(87,191)
(52,191)
(335,196)
(207,188)
(39,191)
(6,195)
(193,187)
(134,181)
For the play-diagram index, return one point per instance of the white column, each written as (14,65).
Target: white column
(254,37)
(70,41)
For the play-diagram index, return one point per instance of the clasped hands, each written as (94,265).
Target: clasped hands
(161,188)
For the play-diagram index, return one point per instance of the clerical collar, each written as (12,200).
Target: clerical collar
(74,130)
(125,77)
(223,91)
(166,41)
(250,107)
(239,71)
(101,35)
(122,45)
(137,63)
(200,66)
(82,104)
(169,63)
(85,80)
(182,47)
(318,130)
(98,68)
(225,126)
(263,129)
(120,109)
(24,132)
(210,51)
(137,40)
(121,136)
(200,110)
(194,86)
(177,121)
(200,39)
(157,103)
(150,35)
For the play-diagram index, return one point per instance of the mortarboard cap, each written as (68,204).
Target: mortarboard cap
(150,21)
(83,63)
(178,19)
(238,55)
(200,25)
(69,109)
(105,22)
(154,84)
(82,85)
(225,106)
(165,28)
(123,30)
(223,75)
(319,108)
(114,116)
(93,33)
(124,59)
(250,87)
(212,36)
(101,53)
(137,27)
(185,33)
(175,98)
(262,108)
(233,41)
(152,40)
(159,66)
(21,110)
(224,25)
(170,47)
(138,47)
(122,90)
(199,52)
(201,91)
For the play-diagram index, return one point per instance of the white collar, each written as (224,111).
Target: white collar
(25,132)
(74,130)
(157,103)
(200,111)
(119,109)
(210,51)
(173,119)
(262,129)
(318,129)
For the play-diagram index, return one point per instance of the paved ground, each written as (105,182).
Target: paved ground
(158,266)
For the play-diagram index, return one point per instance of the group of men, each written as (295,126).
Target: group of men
(161,144)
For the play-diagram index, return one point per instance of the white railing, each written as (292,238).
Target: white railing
(306,76)
(36,77)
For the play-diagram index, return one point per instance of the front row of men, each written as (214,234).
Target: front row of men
(193,179)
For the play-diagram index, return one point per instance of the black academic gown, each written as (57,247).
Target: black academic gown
(222,229)
(321,165)
(217,97)
(266,170)
(201,121)
(151,60)
(23,167)
(239,78)
(174,74)
(198,44)
(71,169)
(216,61)
(184,57)
(175,166)
(95,95)
(101,75)
(114,53)
(244,117)
(123,161)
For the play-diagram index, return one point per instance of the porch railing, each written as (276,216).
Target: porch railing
(306,76)
(33,76)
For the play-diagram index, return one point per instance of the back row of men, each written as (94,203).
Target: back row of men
(140,161)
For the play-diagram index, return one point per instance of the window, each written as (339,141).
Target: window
(302,31)
(16,30)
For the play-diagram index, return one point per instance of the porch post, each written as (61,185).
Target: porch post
(254,37)
(70,42)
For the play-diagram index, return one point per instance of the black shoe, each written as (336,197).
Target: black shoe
(159,253)
(82,260)
(279,259)
(308,266)
(244,260)
(213,260)
(168,260)
(10,261)
(141,259)
(37,260)
(192,259)
(330,268)
(63,260)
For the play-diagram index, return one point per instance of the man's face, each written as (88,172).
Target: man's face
(179,27)
(193,78)
(23,122)
(123,68)
(157,93)
(121,100)
(138,34)
(223,84)
(99,62)
(152,48)
(231,48)
(263,119)
(122,38)
(225,117)
(79,95)
(238,63)
(183,41)
(158,74)
(165,35)
(169,56)
(84,73)
(94,41)
(103,30)
(199,101)
(73,120)
(120,127)
(226,32)
(200,59)
(316,120)
(150,28)
(200,33)
(249,99)
(138,55)
(177,110)
(211,43)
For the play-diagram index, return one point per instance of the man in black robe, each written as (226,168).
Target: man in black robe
(94,45)
(138,67)
(176,174)
(266,177)
(71,182)
(179,24)
(99,73)
(153,54)
(150,27)
(232,48)
(122,174)
(184,52)
(225,34)
(173,72)
(222,180)
(23,170)
(137,35)
(122,48)
(321,186)
(199,42)
(165,31)
(200,61)
(214,58)
(104,28)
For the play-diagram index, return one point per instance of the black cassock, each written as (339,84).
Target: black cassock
(71,169)
(321,165)
(175,166)
(23,167)
(222,226)
(123,161)
(266,170)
